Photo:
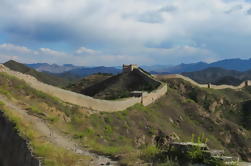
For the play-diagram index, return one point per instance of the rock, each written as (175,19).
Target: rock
(213,106)
(174,137)
(221,101)
(139,141)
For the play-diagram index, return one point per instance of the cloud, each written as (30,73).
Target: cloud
(90,57)
(234,9)
(127,30)
(84,50)
(26,55)
(47,51)
(249,11)
(151,16)
(13,48)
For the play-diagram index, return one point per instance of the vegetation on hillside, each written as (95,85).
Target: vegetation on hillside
(130,135)
(50,109)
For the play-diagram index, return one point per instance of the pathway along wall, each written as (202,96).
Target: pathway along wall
(14,149)
(82,100)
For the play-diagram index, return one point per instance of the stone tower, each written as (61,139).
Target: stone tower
(129,68)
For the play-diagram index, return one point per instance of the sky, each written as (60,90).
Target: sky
(115,32)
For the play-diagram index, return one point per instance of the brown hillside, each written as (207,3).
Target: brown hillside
(120,86)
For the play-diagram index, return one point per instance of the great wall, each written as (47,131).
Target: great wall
(86,101)
(174,76)
(110,105)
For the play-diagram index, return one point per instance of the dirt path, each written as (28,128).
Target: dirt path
(56,137)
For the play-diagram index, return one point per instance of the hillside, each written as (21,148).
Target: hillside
(219,76)
(130,135)
(120,86)
(87,81)
(43,77)
(54,68)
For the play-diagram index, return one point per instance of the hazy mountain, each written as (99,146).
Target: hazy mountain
(85,71)
(219,76)
(231,64)
(54,68)
(79,71)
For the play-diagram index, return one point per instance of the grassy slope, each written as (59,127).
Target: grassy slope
(52,110)
(41,76)
(185,110)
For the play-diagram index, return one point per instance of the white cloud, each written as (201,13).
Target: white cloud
(84,50)
(14,48)
(123,30)
(90,57)
(47,51)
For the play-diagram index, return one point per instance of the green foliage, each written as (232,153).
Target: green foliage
(78,135)
(200,139)
(34,109)
(5,92)
(108,129)
(149,153)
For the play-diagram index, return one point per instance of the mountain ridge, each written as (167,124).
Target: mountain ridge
(219,76)
(66,69)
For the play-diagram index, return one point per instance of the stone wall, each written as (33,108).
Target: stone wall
(154,95)
(82,100)
(171,76)
(149,98)
(14,149)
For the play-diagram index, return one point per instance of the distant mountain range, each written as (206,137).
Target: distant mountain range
(72,72)
(54,68)
(69,69)
(219,76)
(230,64)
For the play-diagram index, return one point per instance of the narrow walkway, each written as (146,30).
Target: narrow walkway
(56,137)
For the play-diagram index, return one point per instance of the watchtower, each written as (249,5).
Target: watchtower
(129,68)
(246,83)
(209,85)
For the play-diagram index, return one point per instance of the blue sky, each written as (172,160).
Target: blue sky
(113,32)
